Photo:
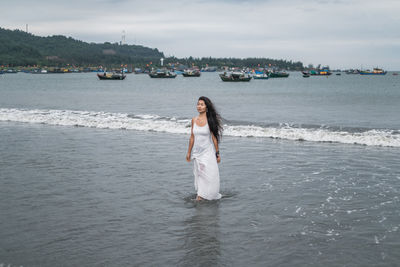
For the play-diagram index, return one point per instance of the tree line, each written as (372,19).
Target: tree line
(237,62)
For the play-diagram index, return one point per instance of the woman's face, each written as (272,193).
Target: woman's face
(201,106)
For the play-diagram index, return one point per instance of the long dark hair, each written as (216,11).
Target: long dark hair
(213,118)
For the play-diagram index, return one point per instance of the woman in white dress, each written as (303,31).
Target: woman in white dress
(203,149)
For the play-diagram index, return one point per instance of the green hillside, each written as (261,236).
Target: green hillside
(18,48)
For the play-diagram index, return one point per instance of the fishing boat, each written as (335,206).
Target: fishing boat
(351,71)
(278,74)
(262,76)
(323,72)
(39,71)
(162,74)
(375,71)
(111,76)
(306,75)
(11,71)
(235,77)
(209,69)
(191,73)
(141,71)
(55,70)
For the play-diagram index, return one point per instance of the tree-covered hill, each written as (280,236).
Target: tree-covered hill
(19,48)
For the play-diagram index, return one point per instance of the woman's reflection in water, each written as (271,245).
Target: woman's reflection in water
(202,233)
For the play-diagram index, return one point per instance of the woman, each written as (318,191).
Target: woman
(205,135)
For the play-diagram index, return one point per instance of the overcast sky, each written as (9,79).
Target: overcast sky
(338,33)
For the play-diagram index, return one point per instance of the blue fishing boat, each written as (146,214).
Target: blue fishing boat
(317,72)
(376,71)
(263,76)
(278,74)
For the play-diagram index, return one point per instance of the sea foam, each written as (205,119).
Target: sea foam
(156,123)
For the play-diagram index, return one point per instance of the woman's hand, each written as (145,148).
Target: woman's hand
(188,157)
(218,159)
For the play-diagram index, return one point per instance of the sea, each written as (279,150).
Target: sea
(93,173)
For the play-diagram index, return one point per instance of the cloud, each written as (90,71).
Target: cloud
(335,32)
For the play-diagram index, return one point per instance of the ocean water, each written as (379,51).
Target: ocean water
(93,173)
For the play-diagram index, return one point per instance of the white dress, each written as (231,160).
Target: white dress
(205,166)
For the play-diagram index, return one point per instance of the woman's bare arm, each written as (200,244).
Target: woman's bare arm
(216,147)
(191,143)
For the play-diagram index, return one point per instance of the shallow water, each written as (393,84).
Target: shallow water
(97,195)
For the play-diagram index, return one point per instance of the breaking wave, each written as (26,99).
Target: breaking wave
(156,123)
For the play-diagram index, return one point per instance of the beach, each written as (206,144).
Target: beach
(94,172)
